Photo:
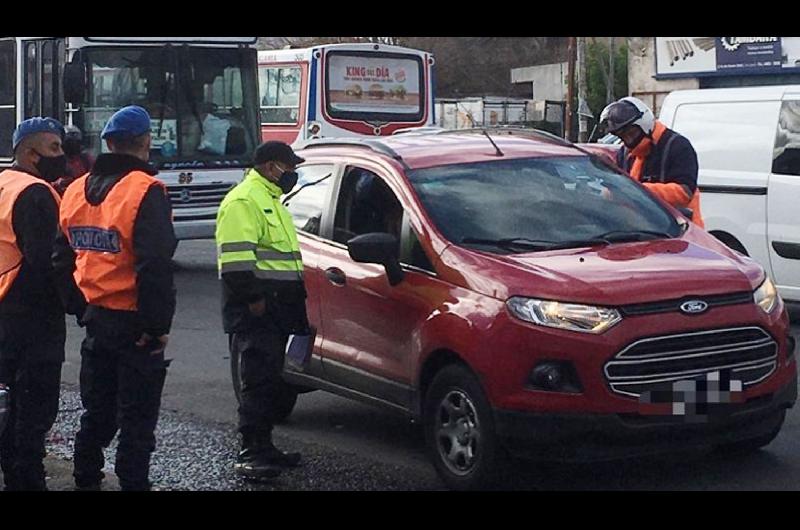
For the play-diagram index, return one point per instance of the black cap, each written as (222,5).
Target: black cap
(276,152)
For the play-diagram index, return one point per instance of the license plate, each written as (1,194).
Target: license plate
(715,393)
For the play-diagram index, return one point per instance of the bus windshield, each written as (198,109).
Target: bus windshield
(375,87)
(203,102)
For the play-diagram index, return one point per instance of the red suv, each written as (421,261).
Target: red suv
(520,297)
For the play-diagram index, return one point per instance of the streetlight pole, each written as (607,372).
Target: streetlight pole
(570,89)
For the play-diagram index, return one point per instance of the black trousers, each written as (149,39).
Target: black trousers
(261,353)
(121,387)
(31,355)
(33,407)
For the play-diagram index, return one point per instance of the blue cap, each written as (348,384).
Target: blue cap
(36,125)
(127,121)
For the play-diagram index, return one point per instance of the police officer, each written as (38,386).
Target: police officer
(79,162)
(263,298)
(32,329)
(658,157)
(117,222)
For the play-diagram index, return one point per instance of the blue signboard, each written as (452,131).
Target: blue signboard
(751,53)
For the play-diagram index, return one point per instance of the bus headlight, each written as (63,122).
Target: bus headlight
(574,317)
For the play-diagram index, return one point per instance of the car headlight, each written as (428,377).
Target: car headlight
(766,296)
(574,317)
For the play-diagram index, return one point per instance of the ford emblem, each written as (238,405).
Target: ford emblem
(694,307)
(186,195)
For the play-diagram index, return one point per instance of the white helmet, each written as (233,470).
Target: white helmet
(628,111)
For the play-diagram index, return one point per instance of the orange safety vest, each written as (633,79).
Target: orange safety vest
(12,184)
(102,238)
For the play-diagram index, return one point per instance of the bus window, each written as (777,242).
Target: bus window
(32,103)
(280,94)
(48,97)
(8,94)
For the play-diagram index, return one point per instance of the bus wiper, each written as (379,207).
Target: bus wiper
(524,243)
(616,236)
(304,186)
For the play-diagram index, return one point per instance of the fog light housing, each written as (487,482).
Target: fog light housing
(555,376)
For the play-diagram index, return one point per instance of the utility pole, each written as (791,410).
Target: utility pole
(583,122)
(570,89)
(610,85)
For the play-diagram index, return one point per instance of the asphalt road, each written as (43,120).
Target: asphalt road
(198,387)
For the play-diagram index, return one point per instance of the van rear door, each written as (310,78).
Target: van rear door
(783,197)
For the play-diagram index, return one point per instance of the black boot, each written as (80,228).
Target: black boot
(251,463)
(275,456)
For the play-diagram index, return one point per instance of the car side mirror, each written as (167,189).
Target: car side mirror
(75,80)
(378,247)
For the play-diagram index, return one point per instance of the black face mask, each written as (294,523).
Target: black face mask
(51,168)
(287,181)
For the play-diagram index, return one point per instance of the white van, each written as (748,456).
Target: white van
(748,146)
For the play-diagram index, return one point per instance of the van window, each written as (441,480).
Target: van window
(734,136)
(786,157)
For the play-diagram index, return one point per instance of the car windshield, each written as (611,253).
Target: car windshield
(202,101)
(534,204)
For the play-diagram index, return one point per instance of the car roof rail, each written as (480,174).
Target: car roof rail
(370,143)
(525,131)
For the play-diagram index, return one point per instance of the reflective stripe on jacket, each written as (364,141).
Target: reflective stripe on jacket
(255,232)
(12,184)
(102,238)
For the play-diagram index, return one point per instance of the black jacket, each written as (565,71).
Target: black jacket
(672,159)
(35,291)
(154,245)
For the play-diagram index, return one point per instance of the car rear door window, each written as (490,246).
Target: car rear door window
(309,198)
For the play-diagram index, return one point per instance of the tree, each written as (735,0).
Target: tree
(597,73)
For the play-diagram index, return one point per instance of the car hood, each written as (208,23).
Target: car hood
(618,274)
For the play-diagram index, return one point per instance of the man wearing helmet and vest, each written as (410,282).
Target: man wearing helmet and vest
(79,162)
(263,297)
(117,221)
(661,159)
(32,328)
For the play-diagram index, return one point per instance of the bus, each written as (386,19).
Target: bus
(201,93)
(344,90)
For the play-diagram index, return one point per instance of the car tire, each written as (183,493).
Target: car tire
(459,431)
(287,396)
(751,445)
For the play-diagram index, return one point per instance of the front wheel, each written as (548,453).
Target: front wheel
(285,400)
(459,431)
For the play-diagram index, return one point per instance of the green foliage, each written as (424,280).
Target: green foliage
(597,73)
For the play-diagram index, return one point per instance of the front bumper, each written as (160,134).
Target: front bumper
(593,437)
(195,229)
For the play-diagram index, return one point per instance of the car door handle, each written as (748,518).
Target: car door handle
(336,276)
(786,250)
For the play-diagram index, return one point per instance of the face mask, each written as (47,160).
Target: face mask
(51,167)
(287,181)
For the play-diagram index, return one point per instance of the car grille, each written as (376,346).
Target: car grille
(197,195)
(673,306)
(750,354)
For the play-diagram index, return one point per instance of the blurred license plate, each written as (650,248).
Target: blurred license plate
(697,397)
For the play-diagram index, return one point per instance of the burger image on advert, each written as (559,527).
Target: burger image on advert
(354,90)
(400,76)
(376,91)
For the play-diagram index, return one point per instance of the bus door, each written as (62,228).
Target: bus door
(283,89)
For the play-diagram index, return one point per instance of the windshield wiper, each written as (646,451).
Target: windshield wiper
(304,186)
(616,236)
(525,244)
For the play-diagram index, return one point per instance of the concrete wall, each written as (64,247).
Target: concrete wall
(549,80)
(642,68)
